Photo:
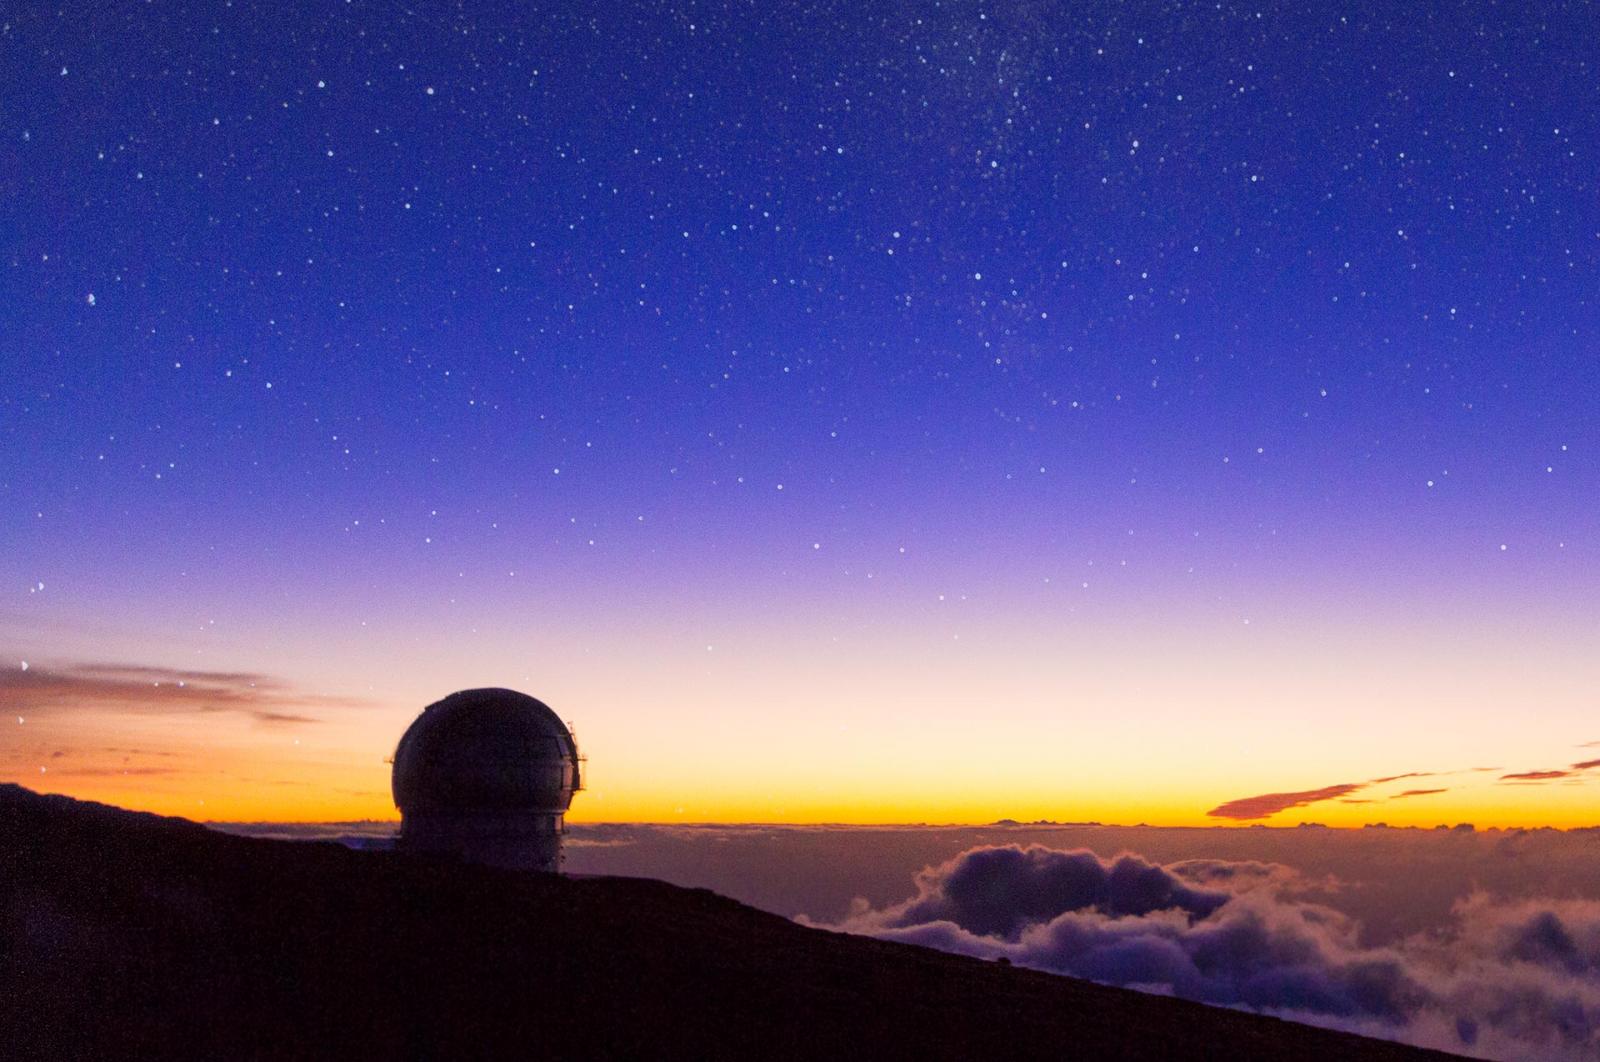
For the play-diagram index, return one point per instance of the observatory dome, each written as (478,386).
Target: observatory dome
(485,751)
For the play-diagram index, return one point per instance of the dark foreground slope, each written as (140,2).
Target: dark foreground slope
(130,936)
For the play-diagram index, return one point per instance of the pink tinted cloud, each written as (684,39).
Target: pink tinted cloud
(1259,807)
(141,689)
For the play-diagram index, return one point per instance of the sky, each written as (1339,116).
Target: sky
(936,412)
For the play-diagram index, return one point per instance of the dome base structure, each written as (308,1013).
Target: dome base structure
(510,840)
(486,776)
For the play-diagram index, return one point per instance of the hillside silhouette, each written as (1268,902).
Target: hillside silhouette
(130,935)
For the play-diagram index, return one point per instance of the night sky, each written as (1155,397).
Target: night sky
(859,412)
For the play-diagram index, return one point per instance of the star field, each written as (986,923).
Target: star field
(798,325)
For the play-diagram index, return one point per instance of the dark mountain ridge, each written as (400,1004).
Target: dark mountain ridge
(133,936)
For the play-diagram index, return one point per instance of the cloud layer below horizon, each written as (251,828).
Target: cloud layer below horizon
(1503,979)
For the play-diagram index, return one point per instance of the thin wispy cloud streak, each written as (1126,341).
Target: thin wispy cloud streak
(1259,807)
(1269,804)
(269,718)
(114,772)
(142,689)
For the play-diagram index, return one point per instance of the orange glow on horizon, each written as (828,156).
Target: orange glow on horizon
(1484,805)
(1130,723)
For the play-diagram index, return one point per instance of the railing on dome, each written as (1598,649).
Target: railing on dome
(583,761)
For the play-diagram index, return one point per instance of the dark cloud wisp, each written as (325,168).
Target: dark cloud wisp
(1259,807)
(1269,804)
(151,690)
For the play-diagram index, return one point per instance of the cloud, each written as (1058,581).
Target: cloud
(994,890)
(1500,979)
(1231,874)
(365,835)
(584,842)
(153,690)
(111,772)
(1268,804)
(1259,807)
(281,718)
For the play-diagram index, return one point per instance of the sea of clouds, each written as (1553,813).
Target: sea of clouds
(1485,942)
(1501,979)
